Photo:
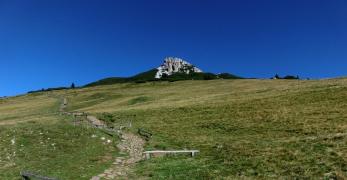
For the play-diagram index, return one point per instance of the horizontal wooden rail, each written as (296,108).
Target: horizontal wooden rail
(148,153)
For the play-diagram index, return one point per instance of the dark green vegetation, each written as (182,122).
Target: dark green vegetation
(148,76)
(286,77)
(48,89)
(139,78)
(72,86)
(228,76)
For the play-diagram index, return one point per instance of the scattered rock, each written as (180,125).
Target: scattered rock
(95,178)
(133,146)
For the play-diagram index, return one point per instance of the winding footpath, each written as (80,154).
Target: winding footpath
(130,144)
(121,168)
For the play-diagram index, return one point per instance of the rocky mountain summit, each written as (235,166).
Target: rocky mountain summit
(173,69)
(175,65)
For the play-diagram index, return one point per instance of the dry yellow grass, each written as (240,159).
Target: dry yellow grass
(27,108)
(178,94)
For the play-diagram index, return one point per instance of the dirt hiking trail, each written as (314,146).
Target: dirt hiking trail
(131,145)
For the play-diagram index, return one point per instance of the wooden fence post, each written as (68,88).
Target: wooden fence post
(148,156)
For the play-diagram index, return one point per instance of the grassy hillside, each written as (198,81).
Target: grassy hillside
(244,128)
(34,137)
(264,129)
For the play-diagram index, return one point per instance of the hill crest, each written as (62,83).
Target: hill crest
(173,69)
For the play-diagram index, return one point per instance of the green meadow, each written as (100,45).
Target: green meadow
(244,129)
(35,138)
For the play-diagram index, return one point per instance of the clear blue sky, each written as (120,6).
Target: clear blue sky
(49,43)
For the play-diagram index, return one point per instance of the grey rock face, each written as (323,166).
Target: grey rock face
(173,65)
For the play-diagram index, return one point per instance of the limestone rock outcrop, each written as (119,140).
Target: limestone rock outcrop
(175,65)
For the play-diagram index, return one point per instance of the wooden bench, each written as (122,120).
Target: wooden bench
(29,175)
(192,152)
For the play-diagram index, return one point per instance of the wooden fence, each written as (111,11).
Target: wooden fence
(148,153)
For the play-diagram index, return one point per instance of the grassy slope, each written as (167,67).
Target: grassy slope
(34,137)
(244,128)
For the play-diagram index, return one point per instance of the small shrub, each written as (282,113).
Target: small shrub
(108,118)
(138,100)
